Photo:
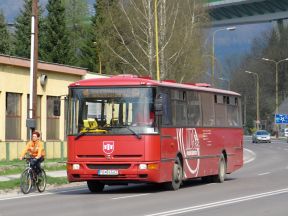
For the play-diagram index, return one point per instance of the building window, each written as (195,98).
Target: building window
(38,114)
(13,116)
(52,121)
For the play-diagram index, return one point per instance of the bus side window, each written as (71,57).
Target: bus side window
(167,113)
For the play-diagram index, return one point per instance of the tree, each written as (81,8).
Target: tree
(5,42)
(180,38)
(56,45)
(23,31)
(272,45)
(94,52)
(77,22)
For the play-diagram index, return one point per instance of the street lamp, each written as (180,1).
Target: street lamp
(227,80)
(276,86)
(232,28)
(100,63)
(156,39)
(257,99)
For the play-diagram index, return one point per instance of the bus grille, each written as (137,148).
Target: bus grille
(108,166)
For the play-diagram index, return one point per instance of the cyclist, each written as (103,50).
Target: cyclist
(35,150)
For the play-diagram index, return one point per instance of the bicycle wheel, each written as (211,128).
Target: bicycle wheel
(26,181)
(41,181)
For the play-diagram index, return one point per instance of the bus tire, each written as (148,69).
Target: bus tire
(95,186)
(177,176)
(220,177)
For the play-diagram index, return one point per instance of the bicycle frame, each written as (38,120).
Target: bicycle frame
(30,178)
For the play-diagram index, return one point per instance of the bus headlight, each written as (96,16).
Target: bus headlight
(142,166)
(76,167)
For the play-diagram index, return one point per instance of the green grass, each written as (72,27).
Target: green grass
(14,184)
(16,167)
(17,162)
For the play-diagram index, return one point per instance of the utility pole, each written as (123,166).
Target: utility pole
(31,121)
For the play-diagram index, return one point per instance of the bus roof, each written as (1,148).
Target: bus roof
(134,80)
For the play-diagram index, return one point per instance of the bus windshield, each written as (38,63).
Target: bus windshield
(119,110)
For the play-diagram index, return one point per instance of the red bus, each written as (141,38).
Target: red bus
(127,129)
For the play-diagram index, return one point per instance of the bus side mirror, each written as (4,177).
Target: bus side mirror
(57,107)
(158,106)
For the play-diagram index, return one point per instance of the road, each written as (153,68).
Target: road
(259,188)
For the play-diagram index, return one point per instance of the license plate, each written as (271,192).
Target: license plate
(108,172)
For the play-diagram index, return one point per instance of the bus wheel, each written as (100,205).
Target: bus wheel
(177,176)
(220,178)
(95,186)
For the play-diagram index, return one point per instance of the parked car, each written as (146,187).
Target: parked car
(261,136)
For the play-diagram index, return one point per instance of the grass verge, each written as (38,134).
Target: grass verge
(13,184)
(16,167)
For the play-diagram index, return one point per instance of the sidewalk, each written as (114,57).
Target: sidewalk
(59,173)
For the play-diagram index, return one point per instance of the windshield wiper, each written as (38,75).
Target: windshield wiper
(130,129)
(81,134)
(134,132)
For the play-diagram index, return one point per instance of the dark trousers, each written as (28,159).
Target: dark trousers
(35,163)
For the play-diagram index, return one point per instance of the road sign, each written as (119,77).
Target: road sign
(281,118)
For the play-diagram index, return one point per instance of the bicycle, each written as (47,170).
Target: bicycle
(29,178)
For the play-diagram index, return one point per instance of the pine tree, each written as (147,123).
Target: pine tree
(22,36)
(23,31)
(5,42)
(95,51)
(56,45)
(77,22)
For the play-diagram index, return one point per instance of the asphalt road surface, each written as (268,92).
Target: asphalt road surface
(259,188)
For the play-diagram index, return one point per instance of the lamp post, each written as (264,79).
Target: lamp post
(232,28)
(227,80)
(276,87)
(156,39)
(99,58)
(257,98)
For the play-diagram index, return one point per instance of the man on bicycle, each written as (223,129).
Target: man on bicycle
(35,150)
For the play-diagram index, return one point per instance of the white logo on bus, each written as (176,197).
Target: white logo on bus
(189,148)
(108,147)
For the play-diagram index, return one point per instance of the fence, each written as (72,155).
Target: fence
(11,150)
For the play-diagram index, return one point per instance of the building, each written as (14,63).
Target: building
(52,83)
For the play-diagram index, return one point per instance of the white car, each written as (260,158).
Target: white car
(261,136)
(286,133)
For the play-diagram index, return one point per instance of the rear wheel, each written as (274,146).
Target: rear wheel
(95,186)
(41,181)
(177,176)
(220,178)
(26,181)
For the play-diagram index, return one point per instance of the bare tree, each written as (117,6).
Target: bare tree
(180,37)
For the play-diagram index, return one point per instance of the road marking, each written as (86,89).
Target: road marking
(266,173)
(252,157)
(125,197)
(220,203)
(21,196)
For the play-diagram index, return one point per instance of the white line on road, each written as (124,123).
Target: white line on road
(220,203)
(249,158)
(125,197)
(266,173)
(40,194)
